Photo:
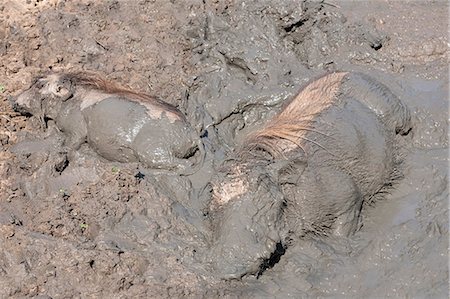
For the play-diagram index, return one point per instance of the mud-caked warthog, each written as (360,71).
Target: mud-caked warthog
(307,171)
(119,124)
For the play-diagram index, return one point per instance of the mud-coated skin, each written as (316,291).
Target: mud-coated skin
(120,125)
(307,171)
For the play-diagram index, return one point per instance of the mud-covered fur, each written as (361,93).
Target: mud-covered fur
(92,81)
(329,150)
(117,122)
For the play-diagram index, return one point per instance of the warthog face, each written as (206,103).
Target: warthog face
(247,209)
(43,97)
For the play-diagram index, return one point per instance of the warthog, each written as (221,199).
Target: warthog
(119,124)
(307,171)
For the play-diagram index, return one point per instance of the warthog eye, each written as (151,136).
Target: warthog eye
(40,83)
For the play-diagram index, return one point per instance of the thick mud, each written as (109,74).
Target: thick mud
(73,224)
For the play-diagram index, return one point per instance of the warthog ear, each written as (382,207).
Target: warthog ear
(288,171)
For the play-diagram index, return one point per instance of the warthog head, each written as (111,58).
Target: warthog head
(44,96)
(247,208)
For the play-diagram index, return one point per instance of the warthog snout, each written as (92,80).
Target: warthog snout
(22,103)
(21,109)
(12,101)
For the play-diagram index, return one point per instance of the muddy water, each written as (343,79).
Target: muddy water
(77,225)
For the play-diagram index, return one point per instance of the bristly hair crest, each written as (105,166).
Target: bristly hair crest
(96,82)
(288,130)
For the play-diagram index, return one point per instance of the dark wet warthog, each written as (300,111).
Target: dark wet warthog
(119,124)
(308,171)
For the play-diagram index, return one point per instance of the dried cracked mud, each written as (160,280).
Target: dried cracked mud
(74,225)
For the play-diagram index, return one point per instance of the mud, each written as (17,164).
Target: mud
(73,224)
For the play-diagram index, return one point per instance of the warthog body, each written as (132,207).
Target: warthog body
(307,171)
(119,124)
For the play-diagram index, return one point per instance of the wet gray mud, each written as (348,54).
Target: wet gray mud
(73,224)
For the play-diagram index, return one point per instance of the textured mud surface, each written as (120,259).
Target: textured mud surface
(75,225)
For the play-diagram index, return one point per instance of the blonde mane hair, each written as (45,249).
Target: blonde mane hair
(96,82)
(287,131)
